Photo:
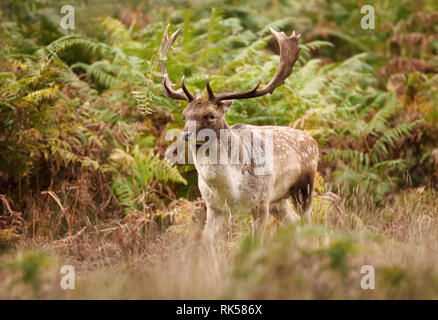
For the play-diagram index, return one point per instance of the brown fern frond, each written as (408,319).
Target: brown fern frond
(406,65)
(10,218)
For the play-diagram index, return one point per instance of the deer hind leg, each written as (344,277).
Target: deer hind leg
(283,212)
(301,194)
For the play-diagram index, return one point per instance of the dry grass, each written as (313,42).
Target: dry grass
(317,260)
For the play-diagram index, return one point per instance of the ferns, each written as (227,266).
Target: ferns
(379,121)
(134,174)
(391,136)
(54,49)
(52,115)
(93,100)
(118,32)
(101,73)
(215,32)
(126,193)
(40,95)
(374,161)
(150,167)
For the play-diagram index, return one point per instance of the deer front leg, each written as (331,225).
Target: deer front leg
(283,212)
(214,224)
(260,217)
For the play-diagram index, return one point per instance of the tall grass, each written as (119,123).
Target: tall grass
(317,260)
(82,175)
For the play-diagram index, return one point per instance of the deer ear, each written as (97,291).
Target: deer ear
(226,105)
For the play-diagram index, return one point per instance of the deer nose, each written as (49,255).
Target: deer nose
(185,135)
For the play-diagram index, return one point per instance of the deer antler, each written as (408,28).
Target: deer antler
(165,81)
(289,52)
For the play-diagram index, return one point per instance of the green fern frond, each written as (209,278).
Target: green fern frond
(101,72)
(277,25)
(150,167)
(118,31)
(215,33)
(40,95)
(391,136)
(307,48)
(68,42)
(355,158)
(247,55)
(379,122)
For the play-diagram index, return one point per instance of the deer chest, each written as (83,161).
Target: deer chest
(231,187)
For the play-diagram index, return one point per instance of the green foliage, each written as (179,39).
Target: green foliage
(91,98)
(30,265)
(51,115)
(327,252)
(135,172)
(83,118)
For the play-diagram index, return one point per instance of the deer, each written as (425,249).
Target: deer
(231,187)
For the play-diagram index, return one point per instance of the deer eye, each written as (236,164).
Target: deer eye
(211,117)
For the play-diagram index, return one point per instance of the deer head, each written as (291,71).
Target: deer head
(209,113)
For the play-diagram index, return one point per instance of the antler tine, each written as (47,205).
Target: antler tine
(188,94)
(165,81)
(211,95)
(289,53)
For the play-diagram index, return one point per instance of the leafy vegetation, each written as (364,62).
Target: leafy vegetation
(83,119)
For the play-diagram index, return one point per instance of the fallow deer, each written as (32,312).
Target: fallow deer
(235,187)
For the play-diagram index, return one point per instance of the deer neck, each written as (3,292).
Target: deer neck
(207,158)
